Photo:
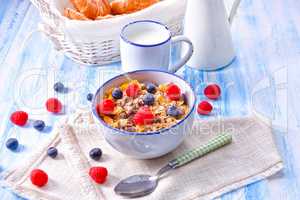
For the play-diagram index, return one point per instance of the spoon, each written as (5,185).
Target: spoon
(141,185)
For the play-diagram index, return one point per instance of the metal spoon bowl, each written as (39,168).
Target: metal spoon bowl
(136,186)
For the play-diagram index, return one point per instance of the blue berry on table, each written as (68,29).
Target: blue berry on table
(151,88)
(59,87)
(95,153)
(148,99)
(39,125)
(12,144)
(52,152)
(117,93)
(89,96)
(173,111)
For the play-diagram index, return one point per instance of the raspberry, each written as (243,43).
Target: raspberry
(106,107)
(53,105)
(143,116)
(132,90)
(173,92)
(38,177)
(19,118)
(204,108)
(98,174)
(212,91)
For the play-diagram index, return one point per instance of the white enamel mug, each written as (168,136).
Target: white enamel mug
(147,44)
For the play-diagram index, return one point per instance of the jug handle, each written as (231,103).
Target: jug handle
(233,10)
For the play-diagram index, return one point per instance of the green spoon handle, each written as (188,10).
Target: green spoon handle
(213,144)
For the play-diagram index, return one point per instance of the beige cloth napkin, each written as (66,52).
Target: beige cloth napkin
(251,156)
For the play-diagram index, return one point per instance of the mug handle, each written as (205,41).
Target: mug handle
(186,57)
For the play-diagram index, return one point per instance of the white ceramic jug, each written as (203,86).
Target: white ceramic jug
(208,27)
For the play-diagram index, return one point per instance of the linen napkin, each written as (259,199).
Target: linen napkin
(251,156)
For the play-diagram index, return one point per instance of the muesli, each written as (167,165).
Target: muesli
(143,107)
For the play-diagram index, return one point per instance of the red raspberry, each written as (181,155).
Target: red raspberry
(132,90)
(143,116)
(204,108)
(19,118)
(38,177)
(212,91)
(106,107)
(98,174)
(53,105)
(173,92)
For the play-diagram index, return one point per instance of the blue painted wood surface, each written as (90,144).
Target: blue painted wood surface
(264,77)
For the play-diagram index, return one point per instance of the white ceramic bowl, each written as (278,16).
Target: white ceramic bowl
(150,144)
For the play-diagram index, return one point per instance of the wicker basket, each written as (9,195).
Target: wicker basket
(97,42)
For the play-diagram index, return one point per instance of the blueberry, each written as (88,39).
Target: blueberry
(184,98)
(52,152)
(95,153)
(117,93)
(174,111)
(59,87)
(151,88)
(148,99)
(39,125)
(12,144)
(89,96)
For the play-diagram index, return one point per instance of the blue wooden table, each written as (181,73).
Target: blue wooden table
(264,77)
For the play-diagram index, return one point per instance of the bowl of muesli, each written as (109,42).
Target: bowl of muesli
(145,113)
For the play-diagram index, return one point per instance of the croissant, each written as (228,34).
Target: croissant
(104,17)
(73,14)
(92,8)
(129,6)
